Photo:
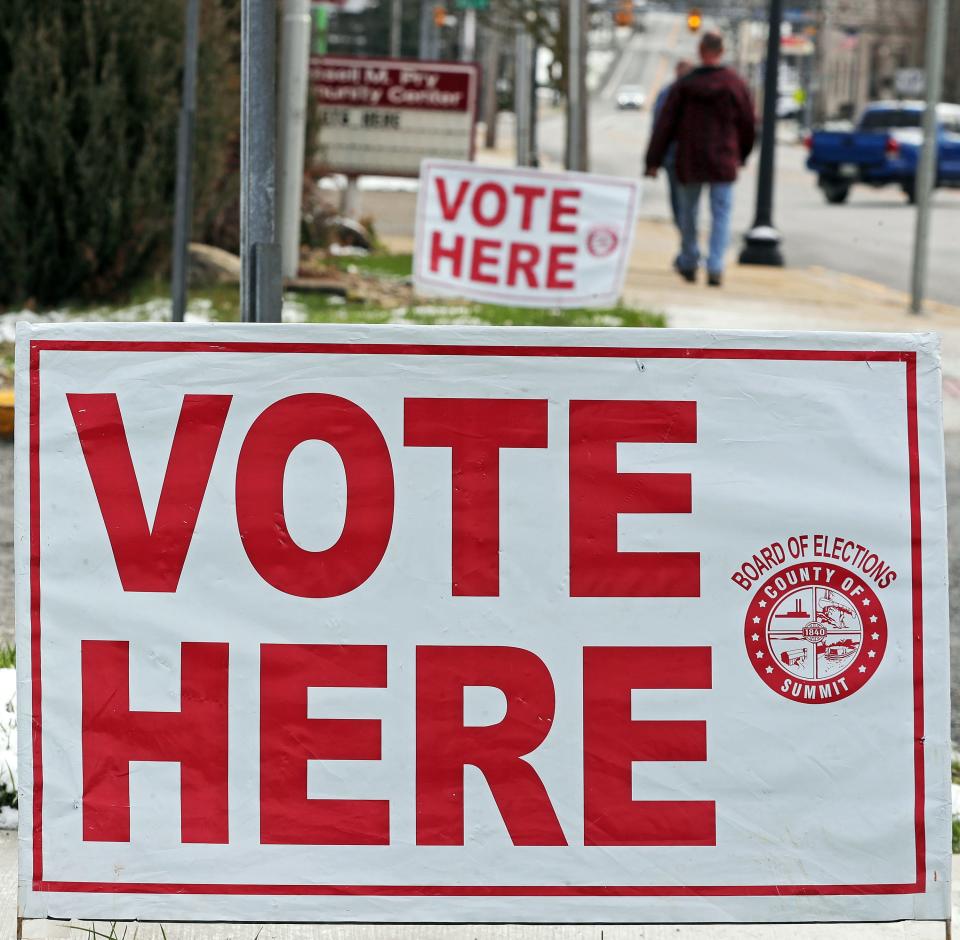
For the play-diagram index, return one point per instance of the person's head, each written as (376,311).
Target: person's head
(711,48)
(683,67)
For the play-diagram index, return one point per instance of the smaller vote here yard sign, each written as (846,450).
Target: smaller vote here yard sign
(437,624)
(523,237)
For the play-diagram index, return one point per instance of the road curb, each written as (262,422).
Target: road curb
(6,413)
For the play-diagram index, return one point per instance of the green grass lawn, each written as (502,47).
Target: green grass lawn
(150,300)
(399,265)
(318,308)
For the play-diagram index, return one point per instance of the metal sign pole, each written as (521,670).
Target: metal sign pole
(184,201)
(936,42)
(396,28)
(294,80)
(576,88)
(468,48)
(762,242)
(260,289)
(521,94)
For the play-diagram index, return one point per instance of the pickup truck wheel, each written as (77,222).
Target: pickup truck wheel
(910,191)
(835,191)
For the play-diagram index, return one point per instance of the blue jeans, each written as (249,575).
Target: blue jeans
(674,192)
(721,207)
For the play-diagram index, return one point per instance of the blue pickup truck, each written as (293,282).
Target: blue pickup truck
(884,149)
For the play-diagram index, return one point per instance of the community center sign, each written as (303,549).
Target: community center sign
(523,237)
(383,116)
(478,625)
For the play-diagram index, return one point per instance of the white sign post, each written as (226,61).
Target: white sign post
(386,624)
(523,237)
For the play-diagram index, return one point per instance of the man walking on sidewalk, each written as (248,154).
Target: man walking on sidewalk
(710,116)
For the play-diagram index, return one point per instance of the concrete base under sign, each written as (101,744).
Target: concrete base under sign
(77,930)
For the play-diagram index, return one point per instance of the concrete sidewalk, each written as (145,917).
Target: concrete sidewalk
(759,298)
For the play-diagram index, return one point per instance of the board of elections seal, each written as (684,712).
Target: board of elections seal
(602,240)
(815,632)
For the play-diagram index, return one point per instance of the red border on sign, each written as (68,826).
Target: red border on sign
(98,887)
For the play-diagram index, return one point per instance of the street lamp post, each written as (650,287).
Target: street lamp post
(762,242)
(926,173)
(577,151)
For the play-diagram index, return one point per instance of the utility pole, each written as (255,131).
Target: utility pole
(396,28)
(294,73)
(260,288)
(521,95)
(926,172)
(183,211)
(534,103)
(491,64)
(576,87)
(429,40)
(762,242)
(468,46)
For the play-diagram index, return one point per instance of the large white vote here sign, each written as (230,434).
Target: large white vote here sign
(521,237)
(478,625)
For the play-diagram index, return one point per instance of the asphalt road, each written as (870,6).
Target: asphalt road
(871,236)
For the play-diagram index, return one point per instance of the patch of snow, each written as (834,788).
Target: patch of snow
(447,316)
(348,251)
(437,310)
(156,310)
(293,311)
(380,184)
(8,744)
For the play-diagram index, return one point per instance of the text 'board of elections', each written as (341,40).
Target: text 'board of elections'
(523,237)
(480,625)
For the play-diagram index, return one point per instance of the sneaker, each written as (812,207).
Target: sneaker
(714,280)
(687,274)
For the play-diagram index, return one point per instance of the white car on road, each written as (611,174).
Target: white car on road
(630,97)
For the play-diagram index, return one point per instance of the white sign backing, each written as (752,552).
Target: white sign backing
(523,237)
(479,625)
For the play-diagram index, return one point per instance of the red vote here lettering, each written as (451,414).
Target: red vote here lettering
(450,208)
(260,511)
(445,745)
(613,740)
(599,493)
(489,203)
(149,558)
(288,739)
(475,430)
(195,737)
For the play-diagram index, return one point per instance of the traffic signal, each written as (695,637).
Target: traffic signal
(439,16)
(694,20)
(624,15)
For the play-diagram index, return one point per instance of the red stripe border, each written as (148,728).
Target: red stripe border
(909,358)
